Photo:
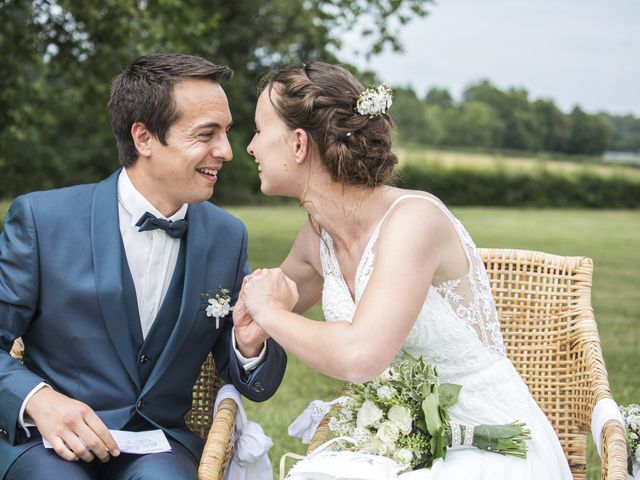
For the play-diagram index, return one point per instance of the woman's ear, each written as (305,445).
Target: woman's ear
(301,145)
(141,139)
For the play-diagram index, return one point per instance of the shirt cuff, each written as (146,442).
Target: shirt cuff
(248,363)
(27,422)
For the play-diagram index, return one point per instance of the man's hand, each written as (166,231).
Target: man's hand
(249,335)
(71,427)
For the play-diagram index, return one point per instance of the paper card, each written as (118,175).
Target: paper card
(151,441)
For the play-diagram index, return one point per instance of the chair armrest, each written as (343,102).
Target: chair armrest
(322,433)
(218,450)
(613,464)
(613,461)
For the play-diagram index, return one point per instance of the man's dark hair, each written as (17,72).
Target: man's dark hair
(143,92)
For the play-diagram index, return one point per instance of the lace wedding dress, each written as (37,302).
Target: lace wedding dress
(457,330)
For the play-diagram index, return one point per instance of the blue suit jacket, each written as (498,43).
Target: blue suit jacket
(61,291)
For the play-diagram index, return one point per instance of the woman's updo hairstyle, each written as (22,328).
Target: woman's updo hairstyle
(321,98)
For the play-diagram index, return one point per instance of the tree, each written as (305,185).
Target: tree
(625,136)
(588,134)
(479,125)
(440,97)
(552,124)
(59,55)
(409,116)
(521,128)
(436,128)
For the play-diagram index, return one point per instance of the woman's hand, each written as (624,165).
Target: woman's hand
(250,337)
(268,289)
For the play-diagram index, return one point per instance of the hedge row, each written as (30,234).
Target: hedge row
(537,188)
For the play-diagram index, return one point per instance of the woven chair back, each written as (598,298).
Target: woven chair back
(544,304)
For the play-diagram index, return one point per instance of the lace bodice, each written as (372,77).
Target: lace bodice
(457,328)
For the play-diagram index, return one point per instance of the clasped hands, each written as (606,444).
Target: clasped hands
(267,290)
(264,292)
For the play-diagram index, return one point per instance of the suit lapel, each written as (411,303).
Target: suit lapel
(194,280)
(107,261)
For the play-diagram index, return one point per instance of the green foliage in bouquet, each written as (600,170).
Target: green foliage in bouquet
(403,415)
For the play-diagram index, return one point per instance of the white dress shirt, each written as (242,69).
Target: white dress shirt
(152,257)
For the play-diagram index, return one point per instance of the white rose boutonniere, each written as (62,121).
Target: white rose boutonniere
(219,305)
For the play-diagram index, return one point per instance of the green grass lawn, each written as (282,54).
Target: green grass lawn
(611,238)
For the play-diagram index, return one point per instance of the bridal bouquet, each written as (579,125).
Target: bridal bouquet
(403,415)
(631,416)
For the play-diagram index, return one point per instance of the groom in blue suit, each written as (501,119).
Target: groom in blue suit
(107,285)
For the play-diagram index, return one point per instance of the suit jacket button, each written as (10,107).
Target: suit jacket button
(3,433)
(140,404)
(144,358)
(257,387)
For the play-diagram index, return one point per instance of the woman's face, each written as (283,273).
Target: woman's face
(273,147)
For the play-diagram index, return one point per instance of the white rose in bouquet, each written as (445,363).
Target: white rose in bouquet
(403,456)
(383,449)
(368,414)
(388,433)
(361,435)
(401,417)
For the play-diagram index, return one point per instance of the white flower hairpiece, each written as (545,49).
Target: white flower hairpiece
(375,101)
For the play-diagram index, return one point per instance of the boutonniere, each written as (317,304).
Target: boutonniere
(219,305)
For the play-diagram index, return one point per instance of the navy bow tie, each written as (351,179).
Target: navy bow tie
(149,221)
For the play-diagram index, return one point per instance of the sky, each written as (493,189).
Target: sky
(583,52)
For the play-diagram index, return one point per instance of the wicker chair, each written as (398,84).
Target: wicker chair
(218,431)
(544,303)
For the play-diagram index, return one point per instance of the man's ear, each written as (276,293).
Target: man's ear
(302,145)
(141,139)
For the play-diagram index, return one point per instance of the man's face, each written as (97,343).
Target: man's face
(185,170)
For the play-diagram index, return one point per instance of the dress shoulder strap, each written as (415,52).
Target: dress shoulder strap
(433,200)
(460,231)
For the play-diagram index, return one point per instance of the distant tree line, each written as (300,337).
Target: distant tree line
(488,117)
(58,58)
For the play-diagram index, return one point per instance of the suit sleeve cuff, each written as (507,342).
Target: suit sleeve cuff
(248,364)
(27,422)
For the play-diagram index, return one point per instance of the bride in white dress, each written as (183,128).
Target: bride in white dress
(396,271)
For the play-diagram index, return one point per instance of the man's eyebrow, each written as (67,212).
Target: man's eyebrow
(211,125)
